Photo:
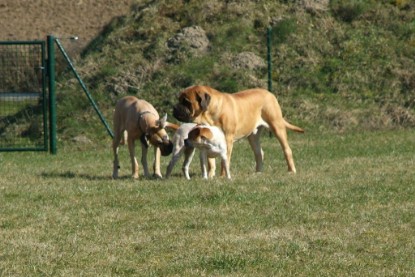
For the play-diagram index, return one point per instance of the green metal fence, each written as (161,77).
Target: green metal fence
(81,83)
(23,96)
(27,95)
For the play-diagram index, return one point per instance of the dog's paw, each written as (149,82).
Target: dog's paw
(134,176)
(157,176)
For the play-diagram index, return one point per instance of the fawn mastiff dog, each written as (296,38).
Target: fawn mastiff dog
(239,115)
(140,120)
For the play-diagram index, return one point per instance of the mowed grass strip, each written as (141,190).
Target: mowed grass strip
(350,210)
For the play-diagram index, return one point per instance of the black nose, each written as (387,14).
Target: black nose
(181,113)
(177,114)
(166,149)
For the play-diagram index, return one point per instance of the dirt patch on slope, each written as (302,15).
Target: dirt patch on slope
(34,20)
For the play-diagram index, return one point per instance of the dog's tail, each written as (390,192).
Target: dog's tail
(293,127)
(172,126)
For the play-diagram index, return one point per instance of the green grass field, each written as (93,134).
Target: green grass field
(349,211)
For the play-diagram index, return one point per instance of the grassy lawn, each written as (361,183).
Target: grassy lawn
(349,211)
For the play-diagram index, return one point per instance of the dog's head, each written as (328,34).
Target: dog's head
(193,101)
(157,136)
(199,136)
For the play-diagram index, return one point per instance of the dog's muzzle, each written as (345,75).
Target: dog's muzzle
(166,148)
(182,113)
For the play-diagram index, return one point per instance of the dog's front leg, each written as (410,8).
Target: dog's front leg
(255,144)
(177,152)
(156,164)
(144,151)
(134,163)
(229,147)
(225,165)
(172,162)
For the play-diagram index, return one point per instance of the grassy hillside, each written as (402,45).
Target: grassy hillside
(338,65)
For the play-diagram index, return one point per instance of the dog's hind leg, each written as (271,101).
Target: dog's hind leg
(281,134)
(115,148)
(203,163)
(124,137)
(212,167)
(254,142)
(189,152)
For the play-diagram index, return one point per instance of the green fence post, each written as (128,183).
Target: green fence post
(52,94)
(269,58)
(269,64)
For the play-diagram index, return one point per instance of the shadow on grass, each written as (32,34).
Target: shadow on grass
(73,175)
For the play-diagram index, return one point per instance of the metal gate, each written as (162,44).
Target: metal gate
(23,98)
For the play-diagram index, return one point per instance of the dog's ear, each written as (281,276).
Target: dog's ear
(161,123)
(203,99)
(194,133)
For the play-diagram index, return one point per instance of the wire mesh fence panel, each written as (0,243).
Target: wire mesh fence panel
(23,104)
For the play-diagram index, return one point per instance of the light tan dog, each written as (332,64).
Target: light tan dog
(140,120)
(239,115)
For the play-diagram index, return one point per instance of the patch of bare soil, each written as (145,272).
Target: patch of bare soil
(35,19)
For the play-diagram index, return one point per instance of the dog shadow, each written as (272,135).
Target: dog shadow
(74,175)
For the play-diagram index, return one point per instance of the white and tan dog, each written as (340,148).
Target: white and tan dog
(140,120)
(210,140)
(239,115)
(179,148)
